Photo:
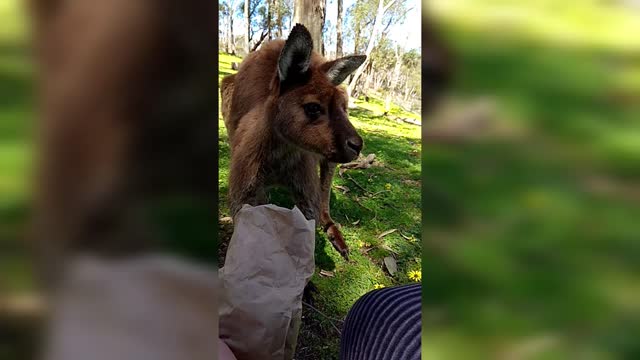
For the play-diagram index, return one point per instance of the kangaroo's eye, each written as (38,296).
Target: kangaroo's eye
(313,110)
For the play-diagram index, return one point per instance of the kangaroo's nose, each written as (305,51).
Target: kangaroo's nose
(355,143)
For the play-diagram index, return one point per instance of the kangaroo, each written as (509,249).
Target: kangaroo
(286,117)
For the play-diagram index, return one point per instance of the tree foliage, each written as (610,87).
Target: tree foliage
(392,70)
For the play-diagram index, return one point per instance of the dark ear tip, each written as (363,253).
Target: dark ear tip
(301,36)
(359,59)
(298,26)
(299,29)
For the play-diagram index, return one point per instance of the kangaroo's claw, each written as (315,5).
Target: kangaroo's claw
(335,236)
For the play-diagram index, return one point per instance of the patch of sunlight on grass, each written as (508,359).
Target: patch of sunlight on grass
(12,17)
(621,288)
(224,67)
(622,142)
(350,282)
(377,106)
(590,23)
(628,79)
(441,345)
(14,164)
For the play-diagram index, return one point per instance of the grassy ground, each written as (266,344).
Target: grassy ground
(16,118)
(16,113)
(391,201)
(532,244)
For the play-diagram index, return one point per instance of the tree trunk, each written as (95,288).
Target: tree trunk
(269,18)
(370,72)
(396,75)
(231,37)
(310,13)
(278,10)
(407,92)
(324,18)
(228,37)
(224,34)
(339,31)
(377,26)
(247,33)
(356,39)
(292,12)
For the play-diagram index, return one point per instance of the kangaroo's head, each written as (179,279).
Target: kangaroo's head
(311,107)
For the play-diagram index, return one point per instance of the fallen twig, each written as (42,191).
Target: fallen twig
(359,203)
(391,206)
(326,316)
(378,193)
(387,233)
(327,273)
(358,185)
(411,121)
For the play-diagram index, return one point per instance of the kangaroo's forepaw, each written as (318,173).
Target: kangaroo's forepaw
(336,239)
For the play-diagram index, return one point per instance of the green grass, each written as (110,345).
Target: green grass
(392,201)
(16,116)
(520,254)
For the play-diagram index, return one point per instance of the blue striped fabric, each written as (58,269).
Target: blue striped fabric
(384,324)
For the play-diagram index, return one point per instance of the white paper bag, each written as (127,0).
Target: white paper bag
(269,261)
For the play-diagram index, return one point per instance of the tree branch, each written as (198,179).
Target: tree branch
(390,4)
(386,28)
(325,316)
(264,35)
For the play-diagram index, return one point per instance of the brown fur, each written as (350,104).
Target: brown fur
(274,143)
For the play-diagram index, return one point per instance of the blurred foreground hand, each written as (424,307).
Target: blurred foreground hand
(152,307)
(127,129)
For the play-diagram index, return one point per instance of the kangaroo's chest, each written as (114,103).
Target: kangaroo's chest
(283,163)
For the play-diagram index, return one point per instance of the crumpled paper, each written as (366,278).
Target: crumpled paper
(269,262)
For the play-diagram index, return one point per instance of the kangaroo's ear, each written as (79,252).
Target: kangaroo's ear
(295,57)
(338,70)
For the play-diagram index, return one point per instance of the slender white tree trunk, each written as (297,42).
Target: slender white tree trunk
(394,82)
(231,37)
(278,14)
(367,84)
(339,31)
(377,27)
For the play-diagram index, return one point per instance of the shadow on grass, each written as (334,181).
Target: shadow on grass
(16,106)
(186,227)
(15,260)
